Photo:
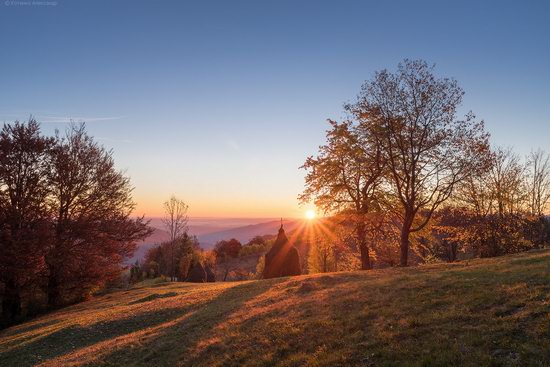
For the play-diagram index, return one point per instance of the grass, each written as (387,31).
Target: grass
(492,312)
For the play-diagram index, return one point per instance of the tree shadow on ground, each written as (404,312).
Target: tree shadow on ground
(153,296)
(272,331)
(353,319)
(172,344)
(158,337)
(407,316)
(74,337)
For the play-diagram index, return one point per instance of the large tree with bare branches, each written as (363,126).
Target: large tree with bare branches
(427,149)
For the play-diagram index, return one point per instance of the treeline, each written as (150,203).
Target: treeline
(65,224)
(494,212)
(184,260)
(232,257)
(181,260)
(405,178)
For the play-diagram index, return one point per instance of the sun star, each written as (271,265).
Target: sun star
(310,214)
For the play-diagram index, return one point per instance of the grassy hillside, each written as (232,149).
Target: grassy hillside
(484,312)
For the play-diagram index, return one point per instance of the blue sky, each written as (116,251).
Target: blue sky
(220,102)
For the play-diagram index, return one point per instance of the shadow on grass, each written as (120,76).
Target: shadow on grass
(154,296)
(172,344)
(176,331)
(407,319)
(408,316)
(277,332)
(74,337)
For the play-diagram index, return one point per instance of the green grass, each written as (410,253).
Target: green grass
(492,312)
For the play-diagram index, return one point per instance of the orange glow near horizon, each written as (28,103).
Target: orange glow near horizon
(209,196)
(203,207)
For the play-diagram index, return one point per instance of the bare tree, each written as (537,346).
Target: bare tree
(427,149)
(502,206)
(475,193)
(507,180)
(538,166)
(175,220)
(500,189)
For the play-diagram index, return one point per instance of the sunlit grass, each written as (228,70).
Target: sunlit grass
(482,312)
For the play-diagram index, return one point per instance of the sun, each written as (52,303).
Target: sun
(310,214)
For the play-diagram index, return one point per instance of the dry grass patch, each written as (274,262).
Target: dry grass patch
(492,312)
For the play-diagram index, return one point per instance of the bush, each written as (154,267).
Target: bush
(229,248)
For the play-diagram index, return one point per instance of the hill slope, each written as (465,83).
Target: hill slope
(482,312)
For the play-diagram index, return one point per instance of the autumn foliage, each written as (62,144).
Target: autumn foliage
(183,252)
(65,224)
(407,180)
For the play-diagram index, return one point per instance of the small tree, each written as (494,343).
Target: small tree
(136,274)
(181,251)
(229,248)
(175,220)
(538,167)
(260,266)
(152,269)
(225,251)
(507,181)
(322,256)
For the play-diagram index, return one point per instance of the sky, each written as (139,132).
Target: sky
(220,102)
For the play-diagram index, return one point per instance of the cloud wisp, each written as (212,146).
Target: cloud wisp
(69,119)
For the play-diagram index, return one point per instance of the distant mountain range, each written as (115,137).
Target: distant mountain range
(245,233)
(154,239)
(211,230)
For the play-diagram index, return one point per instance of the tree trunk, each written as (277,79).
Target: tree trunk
(404,240)
(11,303)
(454,250)
(54,295)
(363,247)
(225,274)
(365,258)
(404,245)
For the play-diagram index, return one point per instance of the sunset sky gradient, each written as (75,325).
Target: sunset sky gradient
(220,102)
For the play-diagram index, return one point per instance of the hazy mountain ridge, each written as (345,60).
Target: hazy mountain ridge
(209,231)
(154,239)
(245,233)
